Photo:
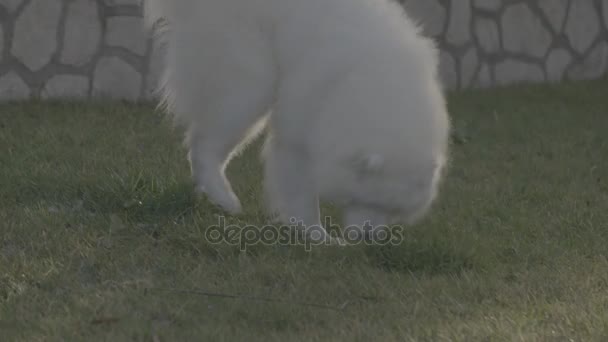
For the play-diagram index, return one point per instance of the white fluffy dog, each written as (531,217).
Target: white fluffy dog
(349,90)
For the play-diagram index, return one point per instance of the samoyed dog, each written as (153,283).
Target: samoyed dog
(347,89)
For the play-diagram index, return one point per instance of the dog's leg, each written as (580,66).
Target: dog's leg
(223,91)
(211,148)
(363,223)
(290,189)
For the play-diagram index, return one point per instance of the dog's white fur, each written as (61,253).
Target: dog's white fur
(349,89)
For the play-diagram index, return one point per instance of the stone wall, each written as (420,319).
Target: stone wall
(97,49)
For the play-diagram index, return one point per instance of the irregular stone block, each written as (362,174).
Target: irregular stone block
(555,11)
(10,5)
(66,87)
(514,71)
(459,28)
(488,35)
(431,14)
(595,64)
(122,2)
(116,79)
(1,43)
(583,25)
(35,37)
(12,87)
(523,32)
(605,12)
(557,62)
(127,32)
(484,78)
(447,70)
(488,5)
(468,67)
(82,33)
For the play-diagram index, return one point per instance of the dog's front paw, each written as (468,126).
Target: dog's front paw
(226,200)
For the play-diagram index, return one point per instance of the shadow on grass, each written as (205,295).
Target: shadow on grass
(150,201)
(427,254)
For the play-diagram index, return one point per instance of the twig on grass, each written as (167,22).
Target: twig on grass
(105,320)
(340,308)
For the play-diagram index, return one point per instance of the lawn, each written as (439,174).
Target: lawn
(102,237)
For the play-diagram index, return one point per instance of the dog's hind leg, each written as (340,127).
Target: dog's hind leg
(226,94)
(211,148)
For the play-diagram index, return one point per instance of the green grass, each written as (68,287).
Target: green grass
(102,237)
